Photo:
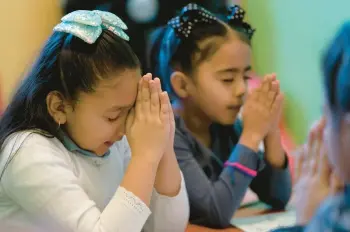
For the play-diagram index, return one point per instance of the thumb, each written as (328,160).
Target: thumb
(130,120)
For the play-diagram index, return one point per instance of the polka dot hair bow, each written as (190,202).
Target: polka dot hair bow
(88,25)
(235,18)
(190,15)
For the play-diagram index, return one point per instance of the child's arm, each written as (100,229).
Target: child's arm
(273,184)
(169,201)
(213,201)
(42,182)
(168,179)
(271,176)
(274,152)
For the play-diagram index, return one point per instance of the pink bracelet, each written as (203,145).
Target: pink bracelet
(242,168)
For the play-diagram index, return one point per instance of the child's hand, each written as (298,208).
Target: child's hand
(260,112)
(170,144)
(315,180)
(148,124)
(277,95)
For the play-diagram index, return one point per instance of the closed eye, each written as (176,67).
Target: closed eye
(247,77)
(113,119)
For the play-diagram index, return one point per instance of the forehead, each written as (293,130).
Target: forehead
(233,53)
(118,89)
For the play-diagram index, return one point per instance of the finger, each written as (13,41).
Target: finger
(158,84)
(323,122)
(324,170)
(277,105)
(311,144)
(146,97)
(337,185)
(138,103)
(171,122)
(275,86)
(164,107)
(317,156)
(264,93)
(307,163)
(130,119)
(299,160)
(319,124)
(265,86)
(274,90)
(147,77)
(155,107)
(317,147)
(171,114)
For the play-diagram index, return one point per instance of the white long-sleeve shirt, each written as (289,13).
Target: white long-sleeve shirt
(46,187)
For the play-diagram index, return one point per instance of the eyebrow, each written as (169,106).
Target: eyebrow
(234,70)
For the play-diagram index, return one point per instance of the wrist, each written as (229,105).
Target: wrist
(170,151)
(274,152)
(146,157)
(273,133)
(250,140)
(168,179)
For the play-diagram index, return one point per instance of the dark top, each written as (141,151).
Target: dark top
(215,191)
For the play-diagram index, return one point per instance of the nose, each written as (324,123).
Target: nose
(119,132)
(239,88)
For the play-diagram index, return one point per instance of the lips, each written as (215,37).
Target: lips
(235,107)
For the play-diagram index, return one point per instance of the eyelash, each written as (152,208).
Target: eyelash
(230,80)
(247,78)
(119,115)
(113,119)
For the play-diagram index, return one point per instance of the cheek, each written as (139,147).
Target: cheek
(215,92)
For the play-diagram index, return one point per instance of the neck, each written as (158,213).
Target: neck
(195,120)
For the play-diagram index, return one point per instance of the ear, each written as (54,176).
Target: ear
(180,84)
(57,107)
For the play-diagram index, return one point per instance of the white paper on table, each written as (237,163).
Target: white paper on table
(266,222)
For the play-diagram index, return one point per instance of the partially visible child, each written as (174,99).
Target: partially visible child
(323,204)
(65,162)
(205,63)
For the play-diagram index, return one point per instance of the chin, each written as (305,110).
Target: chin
(101,151)
(226,121)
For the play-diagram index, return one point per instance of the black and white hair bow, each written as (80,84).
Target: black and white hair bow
(190,15)
(235,18)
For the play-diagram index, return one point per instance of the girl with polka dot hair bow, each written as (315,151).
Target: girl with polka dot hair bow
(204,62)
(86,142)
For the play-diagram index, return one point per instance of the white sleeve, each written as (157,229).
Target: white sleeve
(169,214)
(42,182)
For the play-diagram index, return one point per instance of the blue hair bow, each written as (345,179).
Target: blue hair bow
(88,25)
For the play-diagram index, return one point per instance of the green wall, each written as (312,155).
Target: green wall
(290,38)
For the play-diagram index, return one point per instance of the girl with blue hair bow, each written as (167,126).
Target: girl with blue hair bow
(65,162)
